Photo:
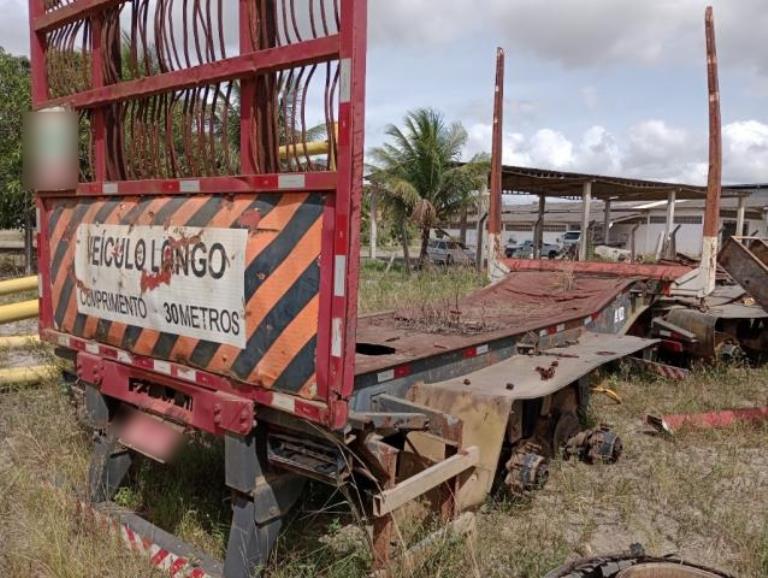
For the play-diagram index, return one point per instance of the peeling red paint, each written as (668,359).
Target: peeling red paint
(250,219)
(151,281)
(82,286)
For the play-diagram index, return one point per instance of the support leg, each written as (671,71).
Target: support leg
(260,502)
(109,464)
(383,526)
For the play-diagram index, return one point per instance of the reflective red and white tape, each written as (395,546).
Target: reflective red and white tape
(157,556)
(303,408)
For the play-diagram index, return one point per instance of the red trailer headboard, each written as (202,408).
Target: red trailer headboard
(215,226)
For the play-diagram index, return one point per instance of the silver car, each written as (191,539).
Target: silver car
(447,252)
(525,250)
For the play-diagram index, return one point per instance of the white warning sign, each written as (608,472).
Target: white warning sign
(187,281)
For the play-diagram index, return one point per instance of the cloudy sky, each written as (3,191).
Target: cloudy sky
(608,86)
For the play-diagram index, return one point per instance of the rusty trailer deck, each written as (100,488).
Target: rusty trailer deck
(444,340)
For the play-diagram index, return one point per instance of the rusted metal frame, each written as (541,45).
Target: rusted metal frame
(39,89)
(714,182)
(311,411)
(465,526)
(494,211)
(98,128)
(72,12)
(661,272)
(709,420)
(401,421)
(747,263)
(211,411)
(383,525)
(346,242)
(661,369)
(258,62)
(247,91)
(391,499)
(443,497)
(669,330)
(440,424)
(324,182)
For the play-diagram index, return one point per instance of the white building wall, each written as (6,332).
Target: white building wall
(506,236)
(689,236)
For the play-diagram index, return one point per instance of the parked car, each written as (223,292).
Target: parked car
(447,252)
(570,238)
(525,250)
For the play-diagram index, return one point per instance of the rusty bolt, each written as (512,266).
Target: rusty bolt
(467,382)
(510,386)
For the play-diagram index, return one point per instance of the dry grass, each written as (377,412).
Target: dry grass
(41,532)
(384,291)
(699,494)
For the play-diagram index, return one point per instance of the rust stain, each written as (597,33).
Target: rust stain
(250,219)
(151,281)
(82,286)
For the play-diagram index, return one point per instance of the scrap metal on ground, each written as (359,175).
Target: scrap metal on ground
(708,420)
(634,564)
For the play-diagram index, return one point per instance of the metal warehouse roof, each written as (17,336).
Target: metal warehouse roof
(532,181)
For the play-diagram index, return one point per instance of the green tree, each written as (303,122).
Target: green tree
(420,173)
(14,103)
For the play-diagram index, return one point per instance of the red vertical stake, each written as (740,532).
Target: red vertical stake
(97,81)
(247,91)
(714,181)
(39,83)
(348,198)
(494,211)
(37,55)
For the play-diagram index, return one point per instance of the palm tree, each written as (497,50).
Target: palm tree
(420,173)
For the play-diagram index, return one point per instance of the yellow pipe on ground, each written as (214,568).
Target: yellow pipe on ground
(19,311)
(18,341)
(313,148)
(19,376)
(18,285)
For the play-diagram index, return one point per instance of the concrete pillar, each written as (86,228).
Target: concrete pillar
(374,224)
(538,236)
(647,231)
(741,214)
(765,221)
(670,225)
(607,222)
(586,197)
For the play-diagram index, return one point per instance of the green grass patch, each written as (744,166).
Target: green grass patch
(382,290)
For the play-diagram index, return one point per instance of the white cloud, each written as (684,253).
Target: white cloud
(599,151)
(651,149)
(745,150)
(421,21)
(586,32)
(551,148)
